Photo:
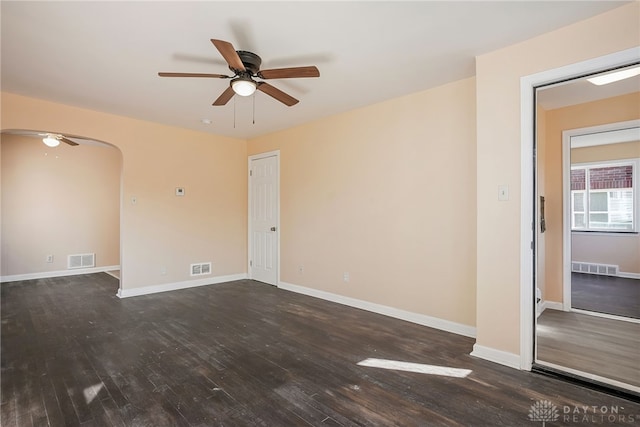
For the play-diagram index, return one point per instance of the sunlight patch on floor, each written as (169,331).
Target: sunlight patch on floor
(91,392)
(415,367)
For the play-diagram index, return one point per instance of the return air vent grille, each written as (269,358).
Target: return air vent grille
(81,261)
(594,268)
(201,269)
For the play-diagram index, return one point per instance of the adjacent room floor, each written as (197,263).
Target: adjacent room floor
(604,347)
(244,353)
(606,294)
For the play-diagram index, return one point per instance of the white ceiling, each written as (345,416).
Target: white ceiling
(106,55)
(579,91)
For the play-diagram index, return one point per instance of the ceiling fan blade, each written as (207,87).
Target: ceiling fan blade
(288,73)
(68,141)
(225,97)
(287,100)
(215,76)
(229,54)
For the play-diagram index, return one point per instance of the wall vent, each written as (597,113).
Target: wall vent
(81,261)
(201,269)
(594,268)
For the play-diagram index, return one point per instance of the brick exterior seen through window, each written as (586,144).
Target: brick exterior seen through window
(603,178)
(577,179)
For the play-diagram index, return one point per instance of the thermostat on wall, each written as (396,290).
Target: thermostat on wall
(179,191)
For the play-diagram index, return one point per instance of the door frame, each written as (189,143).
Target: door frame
(528,173)
(566,197)
(276,154)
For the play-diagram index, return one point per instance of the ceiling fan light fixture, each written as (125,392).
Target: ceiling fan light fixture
(51,141)
(243,86)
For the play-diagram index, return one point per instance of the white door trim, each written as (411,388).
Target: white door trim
(566,197)
(527,221)
(276,154)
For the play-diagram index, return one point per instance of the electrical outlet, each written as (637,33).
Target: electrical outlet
(49,258)
(163,271)
(345,276)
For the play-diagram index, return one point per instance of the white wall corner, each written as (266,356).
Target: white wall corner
(166,287)
(497,356)
(552,305)
(420,319)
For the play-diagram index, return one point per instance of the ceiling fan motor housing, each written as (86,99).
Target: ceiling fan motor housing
(250,60)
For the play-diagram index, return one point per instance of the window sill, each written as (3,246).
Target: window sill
(604,233)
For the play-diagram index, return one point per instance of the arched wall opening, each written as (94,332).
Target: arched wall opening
(58,203)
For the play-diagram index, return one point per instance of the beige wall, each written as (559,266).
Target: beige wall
(58,201)
(387,194)
(498,77)
(611,110)
(620,250)
(376,191)
(624,150)
(162,232)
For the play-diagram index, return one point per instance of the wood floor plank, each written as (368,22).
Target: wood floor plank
(605,347)
(50,402)
(8,412)
(242,354)
(112,413)
(64,401)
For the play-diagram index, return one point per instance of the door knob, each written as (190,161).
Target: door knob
(273,229)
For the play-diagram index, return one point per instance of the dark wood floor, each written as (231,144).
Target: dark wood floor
(606,294)
(605,347)
(245,354)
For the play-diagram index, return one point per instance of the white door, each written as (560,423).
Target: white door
(263,219)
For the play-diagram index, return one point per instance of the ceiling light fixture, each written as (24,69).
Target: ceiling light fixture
(51,141)
(614,77)
(243,86)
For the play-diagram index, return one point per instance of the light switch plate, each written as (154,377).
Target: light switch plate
(503,192)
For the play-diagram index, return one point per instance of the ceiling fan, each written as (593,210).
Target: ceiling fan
(54,139)
(246,67)
(48,138)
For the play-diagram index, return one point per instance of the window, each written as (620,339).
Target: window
(604,197)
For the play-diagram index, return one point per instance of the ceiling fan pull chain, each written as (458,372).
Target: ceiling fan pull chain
(234,112)
(254,108)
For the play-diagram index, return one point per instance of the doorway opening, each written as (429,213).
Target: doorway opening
(537,286)
(601,217)
(63,210)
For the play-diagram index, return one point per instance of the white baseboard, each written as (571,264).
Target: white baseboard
(420,319)
(628,275)
(59,273)
(497,356)
(606,315)
(166,287)
(114,273)
(552,305)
